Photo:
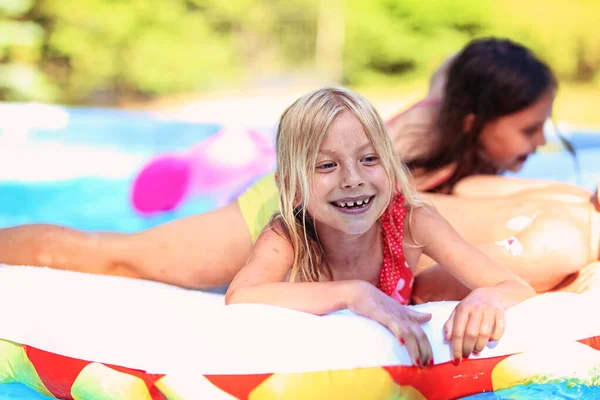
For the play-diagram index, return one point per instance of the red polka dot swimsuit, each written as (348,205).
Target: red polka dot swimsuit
(396,278)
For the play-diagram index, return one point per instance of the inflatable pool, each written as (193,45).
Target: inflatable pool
(78,336)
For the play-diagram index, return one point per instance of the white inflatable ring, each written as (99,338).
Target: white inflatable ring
(80,336)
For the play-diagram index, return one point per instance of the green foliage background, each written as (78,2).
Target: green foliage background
(89,51)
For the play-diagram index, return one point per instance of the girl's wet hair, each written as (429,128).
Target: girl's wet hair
(489,78)
(300,133)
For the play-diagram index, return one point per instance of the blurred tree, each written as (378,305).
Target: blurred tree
(20,50)
(563,32)
(329,55)
(129,47)
(267,36)
(101,51)
(395,38)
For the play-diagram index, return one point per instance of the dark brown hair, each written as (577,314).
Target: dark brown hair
(489,78)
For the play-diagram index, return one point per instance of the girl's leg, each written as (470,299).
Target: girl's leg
(200,251)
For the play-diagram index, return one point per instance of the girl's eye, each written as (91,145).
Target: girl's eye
(370,159)
(326,166)
(532,130)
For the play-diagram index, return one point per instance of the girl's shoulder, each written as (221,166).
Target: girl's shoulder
(274,240)
(414,213)
(274,232)
(408,203)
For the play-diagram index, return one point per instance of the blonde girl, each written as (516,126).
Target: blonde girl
(351,231)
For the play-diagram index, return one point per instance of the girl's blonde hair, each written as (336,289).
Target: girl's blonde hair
(301,130)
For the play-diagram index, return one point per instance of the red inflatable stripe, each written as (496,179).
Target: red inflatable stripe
(58,373)
(239,386)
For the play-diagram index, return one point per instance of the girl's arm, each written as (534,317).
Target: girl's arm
(261,281)
(471,266)
(480,316)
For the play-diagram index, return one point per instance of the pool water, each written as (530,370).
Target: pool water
(80,175)
(560,166)
(90,203)
(541,392)
(18,391)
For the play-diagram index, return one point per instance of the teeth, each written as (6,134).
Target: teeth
(352,203)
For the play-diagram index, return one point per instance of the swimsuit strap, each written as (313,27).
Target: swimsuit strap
(396,278)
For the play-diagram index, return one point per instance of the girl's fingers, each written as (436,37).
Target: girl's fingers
(499,326)
(461,319)
(405,324)
(412,336)
(393,326)
(425,350)
(448,326)
(418,316)
(485,331)
(413,348)
(403,336)
(472,332)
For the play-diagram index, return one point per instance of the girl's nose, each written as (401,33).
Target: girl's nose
(540,139)
(352,178)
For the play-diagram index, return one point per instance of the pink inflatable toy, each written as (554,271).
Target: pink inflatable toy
(220,166)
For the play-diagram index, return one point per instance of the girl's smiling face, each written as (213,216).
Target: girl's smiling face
(350,187)
(510,139)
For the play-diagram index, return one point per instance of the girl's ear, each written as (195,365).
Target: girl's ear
(297,199)
(468,122)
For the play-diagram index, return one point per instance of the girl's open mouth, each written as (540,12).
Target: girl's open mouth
(353,207)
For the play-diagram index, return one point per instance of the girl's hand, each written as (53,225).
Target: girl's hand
(476,320)
(404,323)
